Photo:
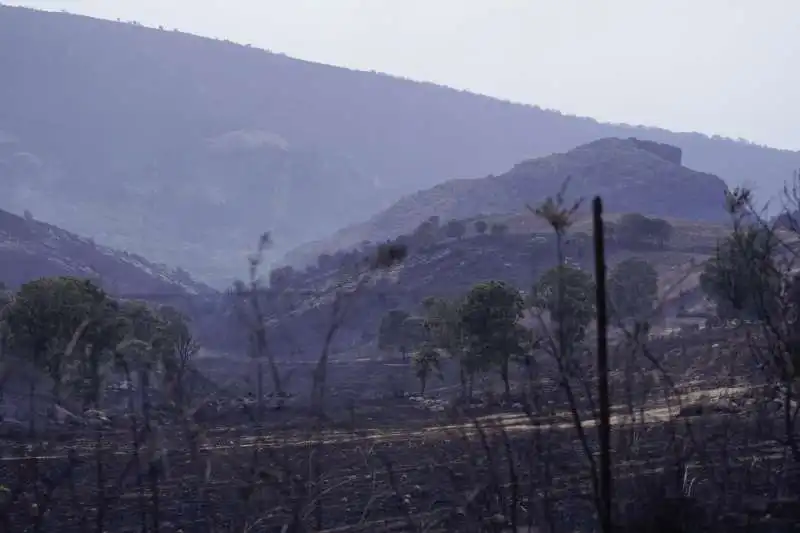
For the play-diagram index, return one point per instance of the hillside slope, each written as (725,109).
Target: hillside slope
(629,174)
(107,129)
(30,249)
(300,305)
(201,207)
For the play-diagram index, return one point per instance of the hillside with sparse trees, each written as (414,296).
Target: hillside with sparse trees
(631,174)
(184,149)
(504,319)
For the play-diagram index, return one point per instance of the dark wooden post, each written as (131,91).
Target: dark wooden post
(605,510)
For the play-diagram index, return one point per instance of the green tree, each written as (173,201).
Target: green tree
(498,229)
(742,278)
(635,229)
(632,228)
(455,229)
(632,289)
(481,226)
(391,332)
(175,344)
(445,334)
(96,359)
(281,277)
(489,316)
(661,231)
(426,361)
(388,255)
(163,328)
(59,323)
(157,344)
(414,331)
(567,294)
(425,234)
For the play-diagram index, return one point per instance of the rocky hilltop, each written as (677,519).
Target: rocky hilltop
(631,175)
(184,149)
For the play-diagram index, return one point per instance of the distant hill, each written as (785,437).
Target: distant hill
(30,249)
(629,174)
(184,149)
(202,208)
(299,302)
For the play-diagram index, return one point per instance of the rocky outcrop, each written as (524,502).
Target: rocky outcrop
(670,153)
(631,175)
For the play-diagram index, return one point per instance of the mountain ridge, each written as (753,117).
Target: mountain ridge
(157,28)
(135,108)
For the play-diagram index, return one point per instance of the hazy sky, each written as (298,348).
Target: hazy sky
(718,66)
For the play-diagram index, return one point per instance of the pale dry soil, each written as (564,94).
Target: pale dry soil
(511,422)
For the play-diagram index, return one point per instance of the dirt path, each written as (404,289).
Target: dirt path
(510,422)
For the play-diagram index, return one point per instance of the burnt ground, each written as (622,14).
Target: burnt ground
(381,462)
(445,476)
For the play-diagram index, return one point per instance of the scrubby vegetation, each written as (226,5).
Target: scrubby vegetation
(444,266)
(112,422)
(484,355)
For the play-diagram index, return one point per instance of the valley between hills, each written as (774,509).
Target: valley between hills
(245,292)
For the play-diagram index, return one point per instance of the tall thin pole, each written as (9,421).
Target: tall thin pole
(602,366)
